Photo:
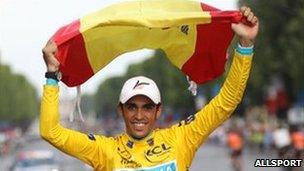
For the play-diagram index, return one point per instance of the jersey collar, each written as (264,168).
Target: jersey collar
(131,142)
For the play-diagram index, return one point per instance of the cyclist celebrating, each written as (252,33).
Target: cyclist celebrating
(142,147)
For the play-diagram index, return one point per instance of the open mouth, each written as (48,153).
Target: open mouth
(139,126)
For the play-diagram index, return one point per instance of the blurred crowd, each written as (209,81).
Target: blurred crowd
(9,138)
(263,134)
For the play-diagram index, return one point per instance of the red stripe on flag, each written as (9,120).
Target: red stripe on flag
(209,58)
(66,32)
(74,63)
(222,16)
(206,7)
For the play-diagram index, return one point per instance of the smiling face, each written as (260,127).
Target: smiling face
(140,115)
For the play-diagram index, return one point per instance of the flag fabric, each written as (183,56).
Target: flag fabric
(194,36)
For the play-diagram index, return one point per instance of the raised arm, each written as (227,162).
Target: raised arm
(84,147)
(195,130)
(231,93)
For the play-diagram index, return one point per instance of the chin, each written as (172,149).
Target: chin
(139,136)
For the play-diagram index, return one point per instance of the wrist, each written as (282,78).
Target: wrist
(246,42)
(54,75)
(51,81)
(51,68)
(244,50)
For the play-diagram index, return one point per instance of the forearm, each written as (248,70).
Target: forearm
(197,129)
(233,89)
(69,141)
(49,111)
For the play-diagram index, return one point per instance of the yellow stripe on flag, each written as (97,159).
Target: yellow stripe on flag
(156,13)
(135,25)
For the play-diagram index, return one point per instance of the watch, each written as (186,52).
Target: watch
(54,75)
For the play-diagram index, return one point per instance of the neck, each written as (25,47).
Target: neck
(140,138)
(137,138)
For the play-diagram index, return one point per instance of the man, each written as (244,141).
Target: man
(141,147)
(235,144)
(282,140)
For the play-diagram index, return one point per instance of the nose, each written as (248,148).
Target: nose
(139,114)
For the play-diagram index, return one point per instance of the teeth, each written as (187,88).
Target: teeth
(139,124)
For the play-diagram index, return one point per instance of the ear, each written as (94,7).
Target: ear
(159,111)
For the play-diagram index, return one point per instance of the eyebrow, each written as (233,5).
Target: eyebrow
(151,104)
(130,104)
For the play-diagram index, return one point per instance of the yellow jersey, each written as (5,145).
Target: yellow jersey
(168,149)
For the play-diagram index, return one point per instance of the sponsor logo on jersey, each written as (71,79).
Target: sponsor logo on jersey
(126,159)
(169,166)
(91,137)
(158,150)
(187,121)
(158,153)
(129,163)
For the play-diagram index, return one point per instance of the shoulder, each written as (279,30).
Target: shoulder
(166,133)
(100,138)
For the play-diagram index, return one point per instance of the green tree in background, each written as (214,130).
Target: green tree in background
(87,103)
(106,98)
(279,49)
(18,100)
(171,81)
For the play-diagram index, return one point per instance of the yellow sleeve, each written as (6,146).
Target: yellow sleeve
(194,131)
(71,142)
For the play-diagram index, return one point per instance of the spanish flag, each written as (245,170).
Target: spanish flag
(194,36)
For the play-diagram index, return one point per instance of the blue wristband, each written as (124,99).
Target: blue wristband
(244,50)
(51,81)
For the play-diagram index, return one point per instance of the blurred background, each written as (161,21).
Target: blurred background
(269,123)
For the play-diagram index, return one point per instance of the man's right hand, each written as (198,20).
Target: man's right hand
(50,60)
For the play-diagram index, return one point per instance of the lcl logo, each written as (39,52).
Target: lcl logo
(158,150)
